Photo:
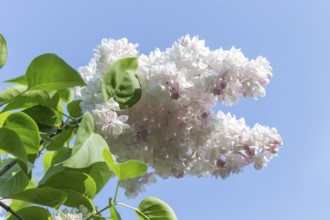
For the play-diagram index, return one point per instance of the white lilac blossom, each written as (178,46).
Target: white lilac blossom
(74,214)
(173,128)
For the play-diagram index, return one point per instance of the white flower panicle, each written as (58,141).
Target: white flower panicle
(173,128)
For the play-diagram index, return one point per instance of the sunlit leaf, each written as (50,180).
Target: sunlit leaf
(155,209)
(26,129)
(32,98)
(46,196)
(126,170)
(12,144)
(121,82)
(3,117)
(114,213)
(66,95)
(98,171)
(11,92)
(47,160)
(20,80)
(33,213)
(50,72)
(88,146)
(3,51)
(132,169)
(111,162)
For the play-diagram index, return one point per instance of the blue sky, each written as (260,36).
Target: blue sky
(294,35)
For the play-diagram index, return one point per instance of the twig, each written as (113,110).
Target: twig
(8,209)
(8,166)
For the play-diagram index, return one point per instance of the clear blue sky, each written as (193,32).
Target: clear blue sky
(294,35)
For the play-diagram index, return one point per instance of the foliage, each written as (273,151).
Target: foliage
(77,161)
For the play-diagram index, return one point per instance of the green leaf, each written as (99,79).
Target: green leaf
(99,172)
(3,51)
(3,117)
(47,160)
(132,169)
(74,108)
(12,144)
(13,181)
(121,82)
(18,204)
(155,209)
(59,140)
(32,98)
(127,170)
(33,213)
(111,162)
(11,92)
(26,129)
(43,115)
(75,181)
(46,196)
(66,95)
(75,199)
(114,213)
(58,157)
(88,146)
(50,72)
(20,80)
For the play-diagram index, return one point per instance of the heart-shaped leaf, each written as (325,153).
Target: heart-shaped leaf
(121,82)
(132,169)
(126,170)
(154,209)
(27,131)
(50,72)
(88,146)
(99,171)
(66,95)
(74,108)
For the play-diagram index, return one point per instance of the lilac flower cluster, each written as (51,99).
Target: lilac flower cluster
(173,128)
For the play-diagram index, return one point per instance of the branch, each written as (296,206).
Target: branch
(14,161)
(8,209)
(7,167)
